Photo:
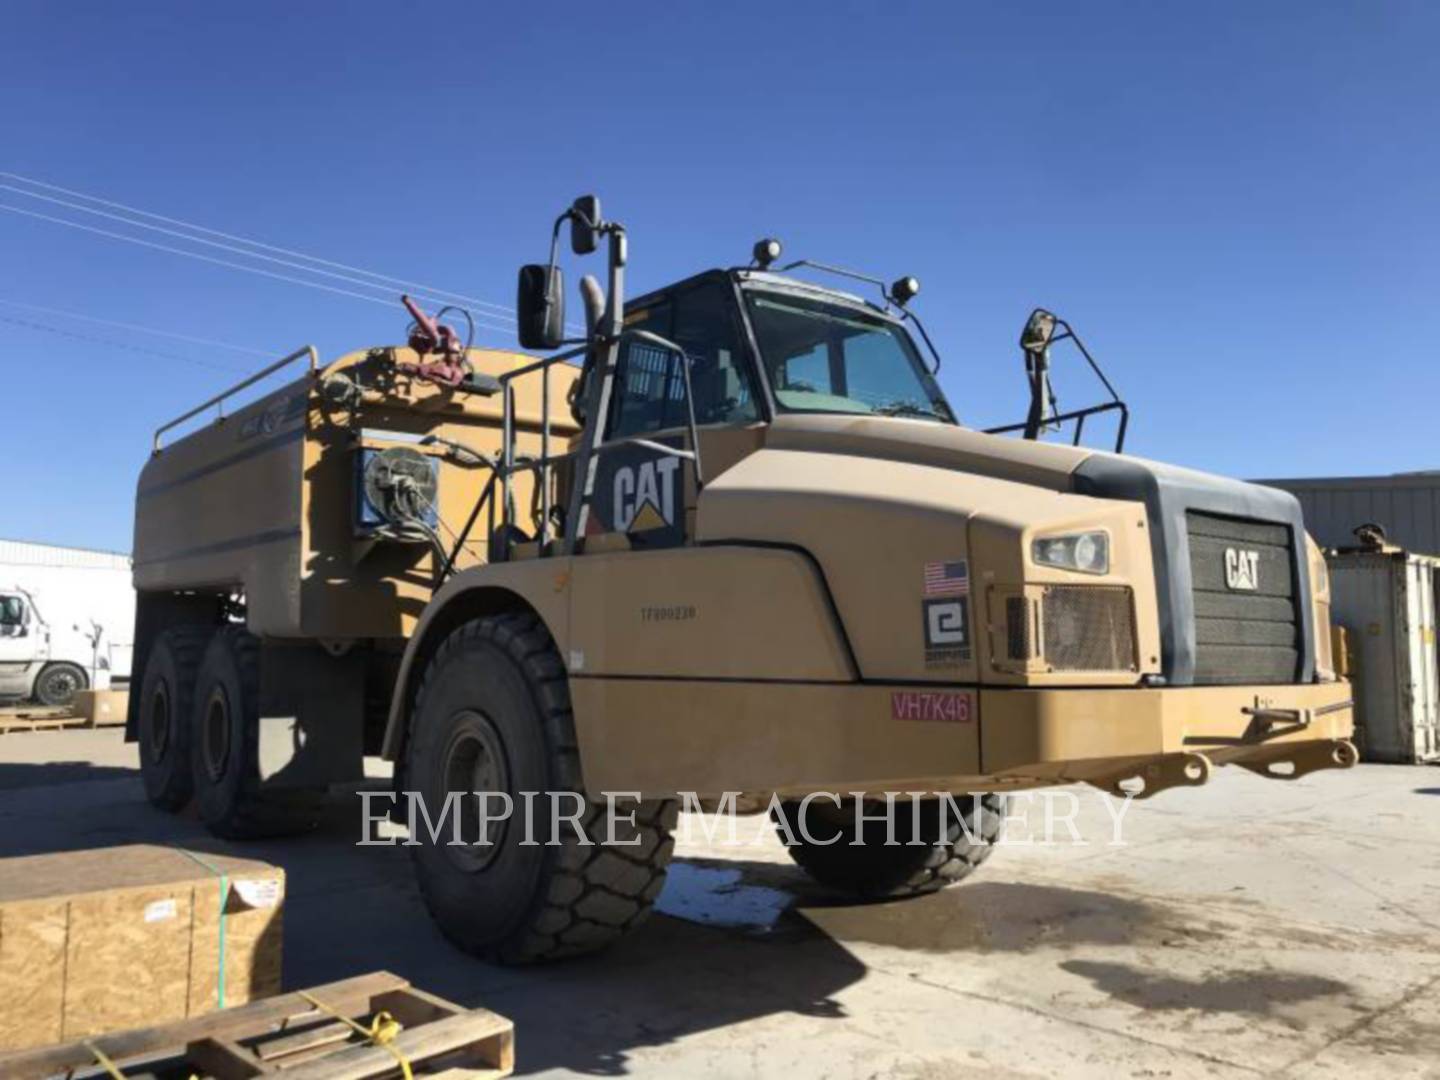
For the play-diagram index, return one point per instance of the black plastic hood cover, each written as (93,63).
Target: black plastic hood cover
(1168,492)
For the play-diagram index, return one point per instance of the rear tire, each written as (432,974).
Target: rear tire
(225,746)
(493,714)
(58,684)
(875,870)
(167,694)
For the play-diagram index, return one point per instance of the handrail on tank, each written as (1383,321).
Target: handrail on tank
(219,399)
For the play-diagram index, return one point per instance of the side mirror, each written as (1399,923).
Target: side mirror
(585,224)
(540,307)
(1039,329)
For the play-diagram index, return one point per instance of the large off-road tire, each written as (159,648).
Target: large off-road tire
(58,684)
(493,714)
(874,870)
(225,746)
(167,696)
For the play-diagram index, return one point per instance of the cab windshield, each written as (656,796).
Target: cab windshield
(832,358)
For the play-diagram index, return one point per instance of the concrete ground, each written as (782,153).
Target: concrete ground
(1247,928)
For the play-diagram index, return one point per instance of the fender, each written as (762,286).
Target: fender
(537,585)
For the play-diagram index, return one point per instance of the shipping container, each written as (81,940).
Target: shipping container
(1386,602)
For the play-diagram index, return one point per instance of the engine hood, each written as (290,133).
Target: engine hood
(921,442)
(1169,493)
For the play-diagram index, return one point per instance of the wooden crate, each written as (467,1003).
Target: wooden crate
(101,708)
(290,1033)
(94,941)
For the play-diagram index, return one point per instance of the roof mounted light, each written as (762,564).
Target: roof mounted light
(904,290)
(766,251)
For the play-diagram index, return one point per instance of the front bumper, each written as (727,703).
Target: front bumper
(660,736)
(1101,736)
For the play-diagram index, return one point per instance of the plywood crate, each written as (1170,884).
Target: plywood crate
(102,708)
(95,941)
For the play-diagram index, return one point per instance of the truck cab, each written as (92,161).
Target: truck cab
(762,349)
(47,660)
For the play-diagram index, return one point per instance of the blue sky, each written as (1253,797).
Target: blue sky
(1235,204)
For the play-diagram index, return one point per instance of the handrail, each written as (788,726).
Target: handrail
(218,399)
(1078,415)
(507,466)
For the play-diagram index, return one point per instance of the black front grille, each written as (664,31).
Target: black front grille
(1243,635)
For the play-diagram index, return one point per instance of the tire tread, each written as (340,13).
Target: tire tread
(589,895)
(894,872)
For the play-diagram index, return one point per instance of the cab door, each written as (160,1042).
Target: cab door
(20,644)
(645,493)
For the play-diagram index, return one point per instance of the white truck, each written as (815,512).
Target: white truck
(48,652)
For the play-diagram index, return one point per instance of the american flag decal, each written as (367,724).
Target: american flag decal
(947,578)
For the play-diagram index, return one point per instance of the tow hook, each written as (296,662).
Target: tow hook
(1173,770)
(1303,759)
(1268,716)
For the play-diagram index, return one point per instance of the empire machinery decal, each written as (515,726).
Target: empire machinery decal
(946,612)
(946,707)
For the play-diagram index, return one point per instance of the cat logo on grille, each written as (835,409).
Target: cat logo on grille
(1242,569)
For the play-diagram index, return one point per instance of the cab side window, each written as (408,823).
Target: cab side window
(650,384)
(12,614)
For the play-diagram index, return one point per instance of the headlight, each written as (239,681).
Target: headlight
(1087,552)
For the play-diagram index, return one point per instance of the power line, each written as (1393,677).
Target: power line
(140,329)
(94,339)
(220,262)
(224,247)
(394,281)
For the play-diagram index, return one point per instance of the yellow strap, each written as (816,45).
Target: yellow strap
(382,1030)
(104,1062)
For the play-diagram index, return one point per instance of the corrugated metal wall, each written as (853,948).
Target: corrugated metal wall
(25,553)
(1408,505)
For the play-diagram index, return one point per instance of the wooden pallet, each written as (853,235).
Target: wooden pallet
(289,1036)
(40,718)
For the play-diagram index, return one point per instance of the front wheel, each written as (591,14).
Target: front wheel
(59,683)
(493,716)
(956,838)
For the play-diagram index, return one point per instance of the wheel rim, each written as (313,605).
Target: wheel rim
(61,685)
(215,737)
(474,761)
(159,727)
